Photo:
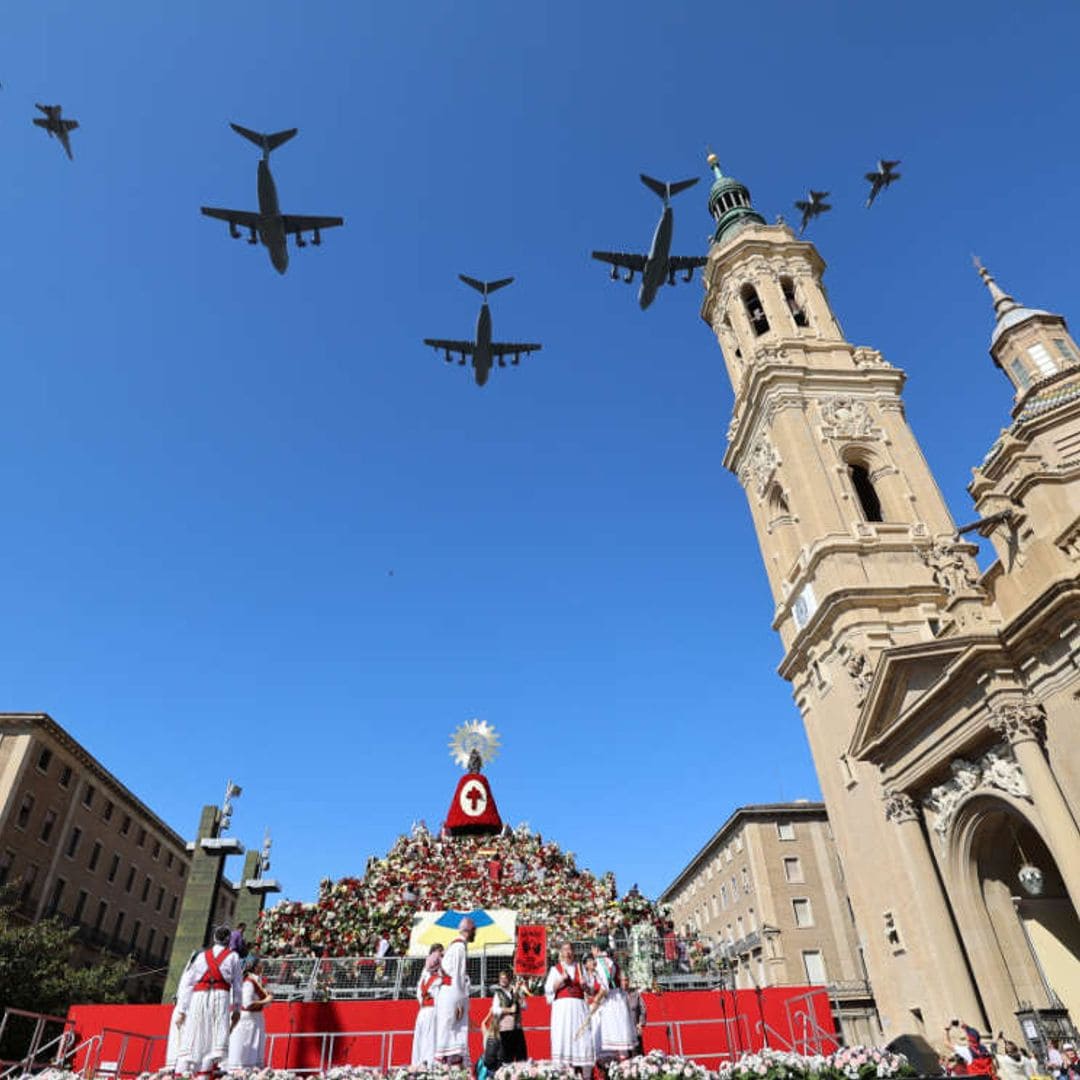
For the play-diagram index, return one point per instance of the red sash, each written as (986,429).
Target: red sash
(211,978)
(572,988)
(427,999)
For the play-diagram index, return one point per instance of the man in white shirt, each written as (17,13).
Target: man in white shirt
(452,1002)
(208,1005)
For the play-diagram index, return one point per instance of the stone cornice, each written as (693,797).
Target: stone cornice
(777,385)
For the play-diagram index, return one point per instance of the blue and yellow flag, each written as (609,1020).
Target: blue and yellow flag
(494,926)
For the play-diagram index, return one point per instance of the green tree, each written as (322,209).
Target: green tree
(37,969)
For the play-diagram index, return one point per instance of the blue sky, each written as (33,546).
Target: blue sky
(210,471)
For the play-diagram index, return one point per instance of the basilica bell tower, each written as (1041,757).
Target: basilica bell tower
(862,558)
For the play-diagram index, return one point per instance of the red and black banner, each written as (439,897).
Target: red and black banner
(530,954)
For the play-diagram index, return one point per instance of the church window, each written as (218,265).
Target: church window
(869,502)
(1023,380)
(787,285)
(1042,359)
(1063,348)
(804,916)
(754,311)
(778,504)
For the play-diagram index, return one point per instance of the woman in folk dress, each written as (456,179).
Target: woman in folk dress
(247,1040)
(431,982)
(595,994)
(618,1037)
(571,1041)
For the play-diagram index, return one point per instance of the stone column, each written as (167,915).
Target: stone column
(930,901)
(1022,722)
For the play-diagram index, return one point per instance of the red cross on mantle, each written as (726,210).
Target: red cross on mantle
(474,795)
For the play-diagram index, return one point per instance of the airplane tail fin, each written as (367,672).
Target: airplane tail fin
(265,142)
(664,190)
(485,287)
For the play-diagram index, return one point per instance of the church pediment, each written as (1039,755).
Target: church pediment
(904,696)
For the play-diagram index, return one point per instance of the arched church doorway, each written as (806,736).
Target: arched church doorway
(1033,926)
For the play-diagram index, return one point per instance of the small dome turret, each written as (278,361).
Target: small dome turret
(729,203)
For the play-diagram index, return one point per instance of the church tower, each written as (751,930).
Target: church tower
(861,556)
(940,704)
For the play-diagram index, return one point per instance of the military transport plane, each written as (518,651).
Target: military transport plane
(56,125)
(659,263)
(270,225)
(483,349)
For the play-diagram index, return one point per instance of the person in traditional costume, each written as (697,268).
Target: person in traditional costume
(571,1041)
(247,1040)
(452,1002)
(172,1043)
(617,1035)
(208,1003)
(427,989)
(595,993)
(507,1005)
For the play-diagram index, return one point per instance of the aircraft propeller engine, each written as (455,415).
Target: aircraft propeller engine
(316,239)
(517,358)
(689,275)
(461,362)
(234,232)
(502,362)
(671,277)
(448,358)
(300,241)
(629,276)
(614,273)
(252,238)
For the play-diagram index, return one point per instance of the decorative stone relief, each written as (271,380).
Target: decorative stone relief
(997,768)
(900,807)
(869,358)
(847,417)
(859,668)
(952,567)
(1019,720)
(759,465)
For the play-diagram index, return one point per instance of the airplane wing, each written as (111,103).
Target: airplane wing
(245,219)
(622,259)
(69,125)
(686,262)
(41,122)
(300,223)
(464,348)
(503,349)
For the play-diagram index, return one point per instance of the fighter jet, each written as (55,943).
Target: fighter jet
(881,179)
(270,225)
(483,348)
(813,205)
(56,125)
(659,264)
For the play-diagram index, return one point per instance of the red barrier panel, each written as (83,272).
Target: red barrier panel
(704,1024)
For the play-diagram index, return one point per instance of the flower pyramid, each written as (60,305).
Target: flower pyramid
(516,869)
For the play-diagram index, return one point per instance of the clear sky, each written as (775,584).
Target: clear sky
(255,529)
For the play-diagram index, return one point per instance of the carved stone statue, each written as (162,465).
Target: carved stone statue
(1002,772)
(1019,720)
(995,769)
(900,806)
(858,667)
(953,568)
(847,417)
(761,462)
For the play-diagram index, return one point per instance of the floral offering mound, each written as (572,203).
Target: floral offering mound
(536,1070)
(422,872)
(656,1065)
(848,1063)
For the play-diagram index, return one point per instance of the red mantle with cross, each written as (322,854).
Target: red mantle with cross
(473,811)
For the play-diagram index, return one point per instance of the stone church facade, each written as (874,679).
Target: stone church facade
(940,703)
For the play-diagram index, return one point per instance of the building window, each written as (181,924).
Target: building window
(1020,374)
(65,776)
(793,869)
(6,861)
(160,898)
(1042,358)
(142,837)
(785,830)
(106,814)
(47,826)
(168,860)
(99,919)
(118,926)
(164,946)
(44,758)
(172,907)
(113,867)
(135,934)
(183,869)
(125,825)
(145,890)
(54,899)
(95,855)
(26,808)
(814,967)
(88,796)
(73,842)
(157,848)
(29,876)
(803,915)
(869,503)
(754,311)
(80,905)
(150,941)
(787,286)
(1063,347)
(130,880)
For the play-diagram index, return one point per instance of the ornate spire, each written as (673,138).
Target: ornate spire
(1003,302)
(729,202)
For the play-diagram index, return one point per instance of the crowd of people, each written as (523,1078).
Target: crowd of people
(968,1055)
